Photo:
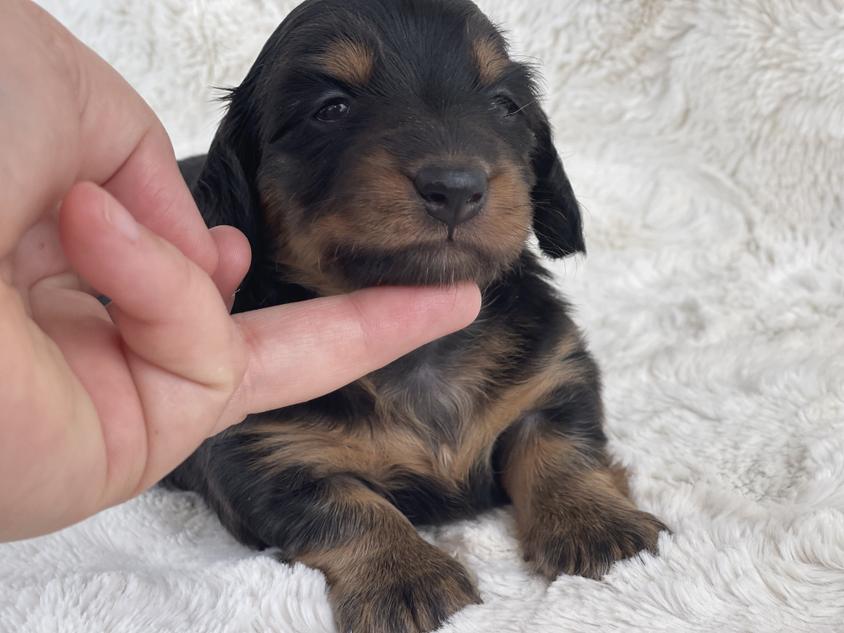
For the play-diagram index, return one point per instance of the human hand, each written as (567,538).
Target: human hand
(97,404)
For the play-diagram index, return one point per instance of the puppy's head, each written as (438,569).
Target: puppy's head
(393,142)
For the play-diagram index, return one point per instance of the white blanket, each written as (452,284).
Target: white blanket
(705,139)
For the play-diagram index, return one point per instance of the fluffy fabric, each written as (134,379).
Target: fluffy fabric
(706,141)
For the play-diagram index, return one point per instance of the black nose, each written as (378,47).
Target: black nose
(452,195)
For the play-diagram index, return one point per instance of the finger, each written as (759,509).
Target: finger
(126,149)
(50,459)
(110,446)
(35,175)
(235,257)
(303,350)
(82,121)
(183,351)
(167,309)
(149,183)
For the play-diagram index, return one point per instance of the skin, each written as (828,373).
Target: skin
(100,403)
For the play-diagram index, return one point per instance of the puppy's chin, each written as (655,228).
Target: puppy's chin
(428,264)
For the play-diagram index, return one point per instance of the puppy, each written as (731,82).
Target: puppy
(395,142)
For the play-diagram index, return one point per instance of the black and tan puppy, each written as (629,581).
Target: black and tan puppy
(395,142)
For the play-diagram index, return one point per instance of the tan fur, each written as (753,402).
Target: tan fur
(490,60)
(534,458)
(621,479)
(386,209)
(479,435)
(390,577)
(503,226)
(571,515)
(349,61)
(382,208)
(300,250)
(397,442)
(375,455)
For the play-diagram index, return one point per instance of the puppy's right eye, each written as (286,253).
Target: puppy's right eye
(505,106)
(333,110)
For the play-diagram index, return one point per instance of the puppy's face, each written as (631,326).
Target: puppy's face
(395,142)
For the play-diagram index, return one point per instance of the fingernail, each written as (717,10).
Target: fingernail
(121,220)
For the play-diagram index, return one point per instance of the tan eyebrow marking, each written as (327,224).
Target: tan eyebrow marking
(490,59)
(348,61)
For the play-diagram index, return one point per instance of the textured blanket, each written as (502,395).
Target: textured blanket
(705,139)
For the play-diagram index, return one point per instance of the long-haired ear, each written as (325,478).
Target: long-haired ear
(224,190)
(556,214)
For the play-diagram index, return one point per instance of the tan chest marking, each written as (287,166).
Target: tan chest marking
(376,455)
(399,442)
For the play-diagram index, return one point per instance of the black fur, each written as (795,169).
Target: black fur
(423,100)
(556,213)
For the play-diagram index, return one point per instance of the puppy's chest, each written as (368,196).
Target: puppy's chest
(438,403)
(429,420)
(413,423)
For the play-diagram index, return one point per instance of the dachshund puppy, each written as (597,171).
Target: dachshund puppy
(395,142)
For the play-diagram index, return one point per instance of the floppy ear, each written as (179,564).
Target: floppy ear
(225,187)
(556,214)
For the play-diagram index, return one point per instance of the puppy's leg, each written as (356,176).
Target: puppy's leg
(297,487)
(571,506)
(383,577)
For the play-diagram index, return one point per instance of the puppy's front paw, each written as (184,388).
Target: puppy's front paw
(412,589)
(586,541)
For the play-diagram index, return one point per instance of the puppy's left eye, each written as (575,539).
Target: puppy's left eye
(333,110)
(505,106)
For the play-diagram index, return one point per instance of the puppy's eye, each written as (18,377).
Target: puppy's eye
(333,110)
(505,106)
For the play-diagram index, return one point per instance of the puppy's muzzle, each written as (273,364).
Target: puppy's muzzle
(452,195)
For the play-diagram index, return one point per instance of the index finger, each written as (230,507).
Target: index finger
(80,120)
(303,350)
